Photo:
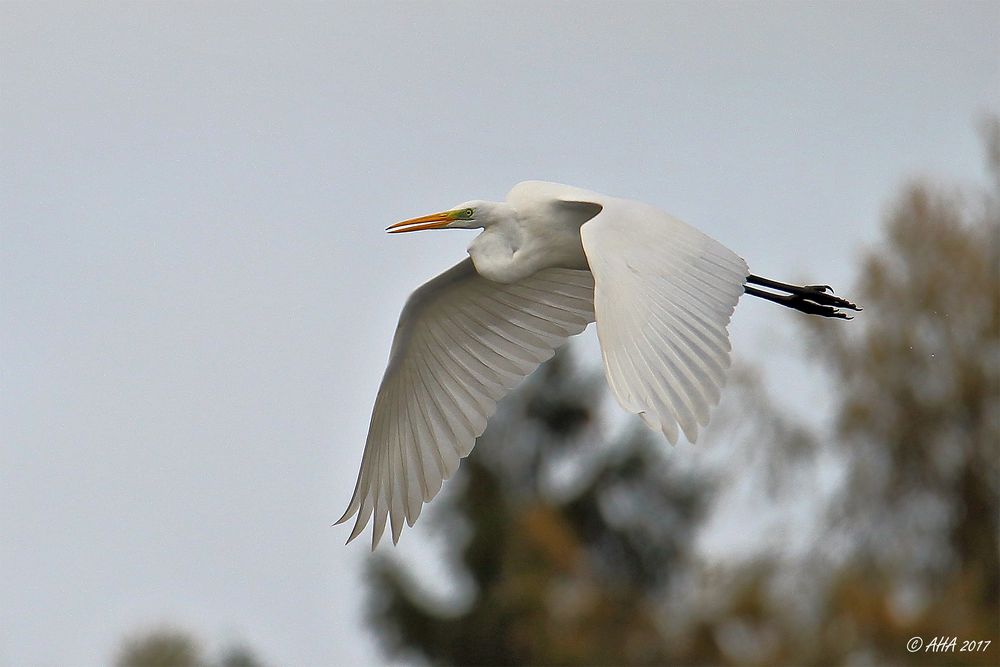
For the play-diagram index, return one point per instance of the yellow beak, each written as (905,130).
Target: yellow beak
(432,221)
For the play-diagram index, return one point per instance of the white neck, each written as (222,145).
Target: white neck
(494,250)
(515,243)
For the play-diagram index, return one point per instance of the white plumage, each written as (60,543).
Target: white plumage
(462,343)
(549,261)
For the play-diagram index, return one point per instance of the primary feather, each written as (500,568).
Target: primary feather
(463,342)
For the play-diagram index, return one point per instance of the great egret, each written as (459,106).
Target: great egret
(550,260)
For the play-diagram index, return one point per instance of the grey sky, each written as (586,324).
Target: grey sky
(198,297)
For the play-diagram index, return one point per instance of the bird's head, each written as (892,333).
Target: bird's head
(476,214)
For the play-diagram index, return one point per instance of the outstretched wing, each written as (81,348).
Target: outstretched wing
(462,343)
(664,293)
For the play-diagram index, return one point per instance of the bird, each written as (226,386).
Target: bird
(550,260)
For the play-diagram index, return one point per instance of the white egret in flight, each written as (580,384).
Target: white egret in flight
(550,260)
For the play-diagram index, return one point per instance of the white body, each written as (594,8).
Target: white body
(549,261)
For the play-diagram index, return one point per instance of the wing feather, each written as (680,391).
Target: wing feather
(462,343)
(664,294)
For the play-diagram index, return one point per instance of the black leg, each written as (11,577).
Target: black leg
(812,299)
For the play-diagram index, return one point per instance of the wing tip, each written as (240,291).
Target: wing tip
(376,534)
(347,515)
(396,529)
(354,534)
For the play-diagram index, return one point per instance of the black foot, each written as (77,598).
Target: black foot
(811,299)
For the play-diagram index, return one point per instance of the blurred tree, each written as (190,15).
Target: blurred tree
(566,543)
(239,656)
(919,426)
(176,648)
(580,552)
(909,547)
(161,648)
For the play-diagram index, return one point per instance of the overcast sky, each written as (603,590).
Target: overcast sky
(198,295)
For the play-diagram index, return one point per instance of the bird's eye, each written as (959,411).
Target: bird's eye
(467,212)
